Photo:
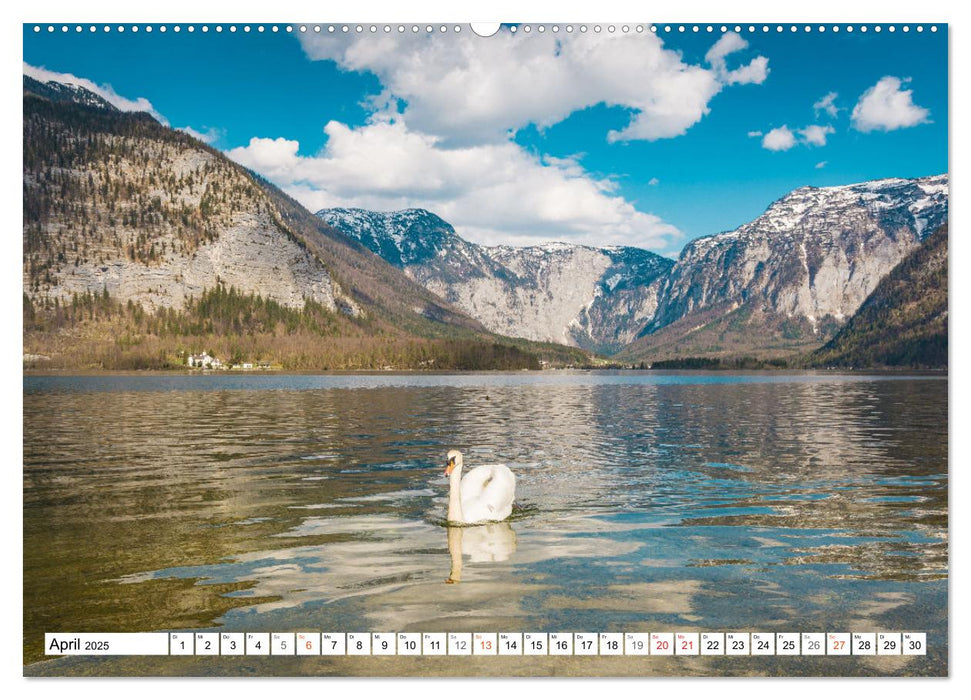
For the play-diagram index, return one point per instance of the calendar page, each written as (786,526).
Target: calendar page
(517,349)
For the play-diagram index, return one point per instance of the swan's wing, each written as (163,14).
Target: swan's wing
(475,481)
(488,492)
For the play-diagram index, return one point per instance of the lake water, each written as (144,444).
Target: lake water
(645,502)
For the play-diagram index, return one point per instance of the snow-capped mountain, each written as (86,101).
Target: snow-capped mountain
(66,92)
(783,283)
(403,238)
(792,277)
(595,298)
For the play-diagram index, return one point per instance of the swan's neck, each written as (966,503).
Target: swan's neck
(455,495)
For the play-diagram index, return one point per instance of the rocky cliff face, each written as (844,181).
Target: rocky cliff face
(816,252)
(595,298)
(790,278)
(904,322)
(114,201)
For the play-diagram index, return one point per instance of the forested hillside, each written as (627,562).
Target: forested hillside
(142,245)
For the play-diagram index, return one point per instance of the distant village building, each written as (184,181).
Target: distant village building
(204,361)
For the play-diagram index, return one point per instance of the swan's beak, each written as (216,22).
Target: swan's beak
(449,467)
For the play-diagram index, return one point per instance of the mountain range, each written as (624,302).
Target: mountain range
(787,281)
(782,284)
(119,207)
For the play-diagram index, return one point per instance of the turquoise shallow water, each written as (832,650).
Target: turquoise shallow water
(645,502)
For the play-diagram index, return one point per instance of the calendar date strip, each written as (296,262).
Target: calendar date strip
(487,644)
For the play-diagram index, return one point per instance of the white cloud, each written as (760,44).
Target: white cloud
(827,104)
(210,135)
(653,181)
(755,71)
(886,107)
(729,42)
(815,135)
(783,138)
(821,164)
(779,139)
(439,135)
(478,91)
(492,193)
(106,92)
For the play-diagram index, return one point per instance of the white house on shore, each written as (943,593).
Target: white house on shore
(204,361)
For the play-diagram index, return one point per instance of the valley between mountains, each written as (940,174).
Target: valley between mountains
(142,245)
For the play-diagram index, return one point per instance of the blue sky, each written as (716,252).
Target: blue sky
(644,140)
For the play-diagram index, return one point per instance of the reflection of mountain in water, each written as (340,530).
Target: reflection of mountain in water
(865,457)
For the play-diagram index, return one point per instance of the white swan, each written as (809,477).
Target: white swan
(485,494)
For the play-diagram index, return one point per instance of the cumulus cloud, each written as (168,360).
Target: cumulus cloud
(886,107)
(827,104)
(479,91)
(779,139)
(441,126)
(815,135)
(653,181)
(139,104)
(492,193)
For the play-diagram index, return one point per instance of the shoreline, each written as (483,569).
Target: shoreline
(835,371)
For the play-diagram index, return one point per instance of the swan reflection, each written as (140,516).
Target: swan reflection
(492,542)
